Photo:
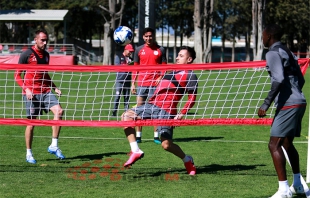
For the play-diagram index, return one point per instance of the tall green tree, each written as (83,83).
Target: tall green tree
(294,19)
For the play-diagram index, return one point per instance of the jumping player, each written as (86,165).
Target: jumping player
(163,105)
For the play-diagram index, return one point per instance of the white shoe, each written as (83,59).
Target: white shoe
(30,159)
(297,190)
(282,194)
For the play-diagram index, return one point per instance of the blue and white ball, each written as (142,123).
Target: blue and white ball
(123,35)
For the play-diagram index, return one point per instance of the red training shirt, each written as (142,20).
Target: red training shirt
(37,81)
(167,95)
(148,55)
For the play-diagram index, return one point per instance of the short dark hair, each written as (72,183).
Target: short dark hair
(190,50)
(274,30)
(148,29)
(37,32)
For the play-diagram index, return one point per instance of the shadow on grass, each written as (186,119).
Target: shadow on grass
(90,157)
(210,169)
(196,139)
(215,168)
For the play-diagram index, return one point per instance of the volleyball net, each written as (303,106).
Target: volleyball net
(228,94)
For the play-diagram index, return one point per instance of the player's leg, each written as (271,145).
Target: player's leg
(32,111)
(167,144)
(295,124)
(135,153)
(280,134)
(126,93)
(118,91)
(156,135)
(141,98)
(51,103)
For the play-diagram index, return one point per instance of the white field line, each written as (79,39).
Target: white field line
(96,138)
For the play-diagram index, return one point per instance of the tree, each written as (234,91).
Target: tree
(109,27)
(198,31)
(257,18)
(294,20)
(207,30)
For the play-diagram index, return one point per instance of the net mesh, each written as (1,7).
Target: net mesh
(228,93)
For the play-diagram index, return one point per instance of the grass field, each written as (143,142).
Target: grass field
(232,161)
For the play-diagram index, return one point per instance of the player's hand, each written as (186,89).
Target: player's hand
(29,94)
(179,116)
(133,89)
(158,80)
(58,92)
(261,113)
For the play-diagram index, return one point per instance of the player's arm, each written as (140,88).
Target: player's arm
(18,78)
(191,90)
(53,86)
(23,59)
(134,74)
(188,105)
(277,75)
(163,60)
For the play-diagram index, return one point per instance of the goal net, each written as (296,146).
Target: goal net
(228,94)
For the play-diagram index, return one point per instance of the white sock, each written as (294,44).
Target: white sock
(186,159)
(138,134)
(29,152)
(283,185)
(54,142)
(296,179)
(134,146)
(155,134)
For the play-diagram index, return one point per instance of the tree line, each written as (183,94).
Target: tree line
(228,19)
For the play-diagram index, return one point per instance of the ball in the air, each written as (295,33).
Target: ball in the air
(123,35)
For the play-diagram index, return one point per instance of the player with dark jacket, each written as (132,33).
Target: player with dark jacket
(286,92)
(123,79)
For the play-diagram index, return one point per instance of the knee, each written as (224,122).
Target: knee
(30,127)
(59,112)
(128,115)
(165,144)
(272,147)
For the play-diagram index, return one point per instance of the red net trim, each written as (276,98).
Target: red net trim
(197,122)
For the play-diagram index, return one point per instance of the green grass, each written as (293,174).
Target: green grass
(232,161)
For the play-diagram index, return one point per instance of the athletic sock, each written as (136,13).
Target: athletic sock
(29,152)
(138,134)
(155,135)
(134,146)
(296,179)
(54,142)
(186,159)
(283,185)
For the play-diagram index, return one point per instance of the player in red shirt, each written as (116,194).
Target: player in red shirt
(163,105)
(37,96)
(150,53)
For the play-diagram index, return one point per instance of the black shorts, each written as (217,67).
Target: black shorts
(287,123)
(39,103)
(150,111)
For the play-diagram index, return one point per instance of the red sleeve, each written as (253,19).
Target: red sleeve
(190,102)
(18,78)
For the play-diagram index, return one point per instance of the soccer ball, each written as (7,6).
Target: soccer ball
(123,35)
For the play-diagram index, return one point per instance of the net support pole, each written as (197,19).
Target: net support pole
(308,156)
